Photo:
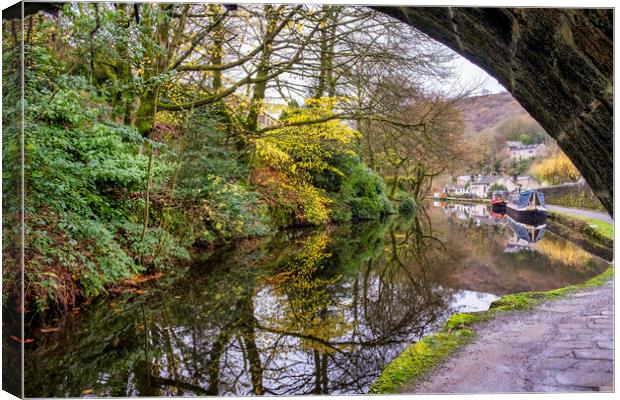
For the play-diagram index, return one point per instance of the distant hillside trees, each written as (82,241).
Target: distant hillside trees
(523,129)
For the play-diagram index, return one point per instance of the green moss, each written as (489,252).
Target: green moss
(420,358)
(458,321)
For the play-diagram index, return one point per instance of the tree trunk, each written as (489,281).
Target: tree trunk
(260,87)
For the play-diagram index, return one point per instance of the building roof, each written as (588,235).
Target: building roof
(521,146)
(456,186)
(486,180)
(464,177)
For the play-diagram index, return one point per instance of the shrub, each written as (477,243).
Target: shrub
(494,187)
(211,183)
(81,172)
(407,206)
(363,190)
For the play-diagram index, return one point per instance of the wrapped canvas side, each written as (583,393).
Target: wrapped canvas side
(12,201)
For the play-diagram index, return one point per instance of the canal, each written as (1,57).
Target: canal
(307,311)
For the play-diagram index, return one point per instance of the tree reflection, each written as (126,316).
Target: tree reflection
(309,312)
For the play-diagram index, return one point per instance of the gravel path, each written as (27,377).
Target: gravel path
(560,346)
(585,213)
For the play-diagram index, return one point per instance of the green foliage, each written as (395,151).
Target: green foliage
(406,203)
(407,206)
(519,167)
(211,180)
(80,172)
(593,227)
(496,187)
(87,175)
(535,138)
(363,190)
(522,129)
(497,167)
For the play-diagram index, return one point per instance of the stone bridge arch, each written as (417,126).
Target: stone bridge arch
(558,63)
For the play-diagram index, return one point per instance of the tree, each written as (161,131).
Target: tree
(522,128)
(556,169)
(299,150)
(416,140)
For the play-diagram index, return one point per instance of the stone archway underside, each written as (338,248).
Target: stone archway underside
(558,63)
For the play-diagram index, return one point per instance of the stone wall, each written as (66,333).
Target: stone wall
(577,195)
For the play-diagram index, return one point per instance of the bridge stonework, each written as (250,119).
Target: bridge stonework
(558,63)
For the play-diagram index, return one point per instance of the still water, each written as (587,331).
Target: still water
(307,311)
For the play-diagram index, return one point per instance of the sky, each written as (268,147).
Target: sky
(472,71)
(468,74)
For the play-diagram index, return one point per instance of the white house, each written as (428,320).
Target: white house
(520,151)
(456,190)
(480,187)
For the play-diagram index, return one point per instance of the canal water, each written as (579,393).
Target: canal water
(307,311)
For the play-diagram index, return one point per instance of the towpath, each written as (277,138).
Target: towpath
(581,212)
(560,346)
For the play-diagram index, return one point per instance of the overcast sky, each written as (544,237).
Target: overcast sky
(468,73)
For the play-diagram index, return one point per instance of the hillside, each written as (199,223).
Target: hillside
(487,111)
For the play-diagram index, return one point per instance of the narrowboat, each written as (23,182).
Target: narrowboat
(527,206)
(499,200)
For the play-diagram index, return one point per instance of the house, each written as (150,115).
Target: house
(479,187)
(520,151)
(456,190)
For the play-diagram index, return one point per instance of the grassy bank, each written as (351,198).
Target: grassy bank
(595,237)
(597,226)
(420,358)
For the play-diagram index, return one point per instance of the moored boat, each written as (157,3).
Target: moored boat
(499,200)
(527,206)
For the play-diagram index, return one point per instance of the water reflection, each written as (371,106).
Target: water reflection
(309,311)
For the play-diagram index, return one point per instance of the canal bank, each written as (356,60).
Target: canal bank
(531,341)
(555,341)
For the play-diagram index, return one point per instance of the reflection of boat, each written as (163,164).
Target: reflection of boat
(497,215)
(527,206)
(499,199)
(524,235)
